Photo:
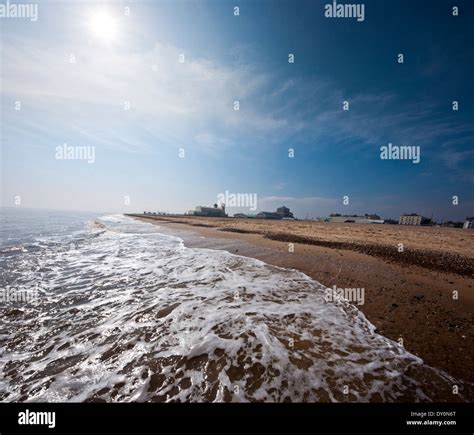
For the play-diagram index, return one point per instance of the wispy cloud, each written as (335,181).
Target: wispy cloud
(189,103)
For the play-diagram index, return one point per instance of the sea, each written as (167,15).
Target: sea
(107,308)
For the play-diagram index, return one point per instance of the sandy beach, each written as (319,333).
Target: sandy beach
(423,295)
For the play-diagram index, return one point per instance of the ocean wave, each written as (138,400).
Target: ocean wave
(129,314)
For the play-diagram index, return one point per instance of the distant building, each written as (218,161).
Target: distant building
(366,219)
(452,224)
(285,212)
(209,211)
(268,215)
(413,219)
(374,217)
(281,213)
(240,215)
(469,223)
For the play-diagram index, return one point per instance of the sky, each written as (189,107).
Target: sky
(150,88)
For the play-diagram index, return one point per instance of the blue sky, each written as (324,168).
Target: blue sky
(189,105)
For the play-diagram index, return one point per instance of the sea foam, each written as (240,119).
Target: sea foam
(129,314)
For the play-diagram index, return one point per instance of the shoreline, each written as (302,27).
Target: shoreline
(448,260)
(402,300)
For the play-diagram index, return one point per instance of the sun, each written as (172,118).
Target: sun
(103,26)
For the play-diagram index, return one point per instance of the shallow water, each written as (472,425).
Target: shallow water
(126,313)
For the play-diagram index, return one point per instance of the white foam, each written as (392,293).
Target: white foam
(132,314)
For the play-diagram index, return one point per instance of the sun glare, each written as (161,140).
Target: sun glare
(103,26)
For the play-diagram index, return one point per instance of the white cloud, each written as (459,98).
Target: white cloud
(178,103)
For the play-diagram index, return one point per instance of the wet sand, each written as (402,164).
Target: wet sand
(409,298)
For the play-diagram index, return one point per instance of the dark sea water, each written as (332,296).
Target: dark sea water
(115,310)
